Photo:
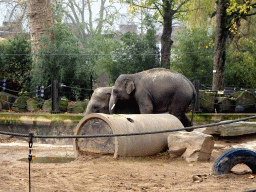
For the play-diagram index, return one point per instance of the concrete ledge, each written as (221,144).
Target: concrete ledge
(40,124)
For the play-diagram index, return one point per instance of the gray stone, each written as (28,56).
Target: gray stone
(32,105)
(7,100)
(233,129)
(20,104)
(192,146)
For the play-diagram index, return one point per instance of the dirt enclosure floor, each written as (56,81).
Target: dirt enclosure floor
(103,173)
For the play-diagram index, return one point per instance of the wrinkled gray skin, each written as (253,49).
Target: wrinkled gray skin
(99,103)
(155,91)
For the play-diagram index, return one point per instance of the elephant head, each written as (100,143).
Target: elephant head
(122,91)
(99,102)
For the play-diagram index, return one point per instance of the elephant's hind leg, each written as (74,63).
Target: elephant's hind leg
(178,109)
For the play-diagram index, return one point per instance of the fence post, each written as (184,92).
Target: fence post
(197,86)
(55,99)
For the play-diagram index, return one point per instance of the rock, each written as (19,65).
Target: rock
(192,146)
(244,99)
(225,105)
(32,105)
(239,109)
(20,104)
(76,107)
(7,100)
(63,105)
(219,146)
(207,101)
(47,106)
(233,129)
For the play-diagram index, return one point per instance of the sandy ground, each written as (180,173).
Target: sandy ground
(103,173)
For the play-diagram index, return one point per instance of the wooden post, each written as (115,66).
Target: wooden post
(55,99)
(197,86)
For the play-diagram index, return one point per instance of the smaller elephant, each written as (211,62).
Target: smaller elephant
(99,103)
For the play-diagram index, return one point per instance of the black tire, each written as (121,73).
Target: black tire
(232,157)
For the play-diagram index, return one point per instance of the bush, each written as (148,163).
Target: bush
(15,61)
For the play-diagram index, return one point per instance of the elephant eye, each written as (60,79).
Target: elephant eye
(95,107)
(115,91)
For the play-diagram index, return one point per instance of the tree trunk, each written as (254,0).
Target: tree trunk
(40,21)
(166,40)
(220,45)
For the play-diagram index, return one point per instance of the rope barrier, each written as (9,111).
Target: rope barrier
(127,134)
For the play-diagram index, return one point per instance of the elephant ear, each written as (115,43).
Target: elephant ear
(130,86)
(108,96)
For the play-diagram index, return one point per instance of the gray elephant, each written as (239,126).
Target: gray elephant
(155,91)
(99,103)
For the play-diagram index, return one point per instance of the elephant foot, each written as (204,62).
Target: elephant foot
(188,124)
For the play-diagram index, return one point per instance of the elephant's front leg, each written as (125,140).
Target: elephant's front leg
(145,106)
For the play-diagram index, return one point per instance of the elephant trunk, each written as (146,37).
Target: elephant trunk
(88,110)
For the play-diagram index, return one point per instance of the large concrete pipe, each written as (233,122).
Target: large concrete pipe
(139,145)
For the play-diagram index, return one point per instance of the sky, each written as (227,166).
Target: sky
(5,9)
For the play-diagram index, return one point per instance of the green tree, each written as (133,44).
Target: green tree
(99,49)
(192,55)
(228,15)
(240,68)
(62,60)
(165,12)
(15,62)
(136,54)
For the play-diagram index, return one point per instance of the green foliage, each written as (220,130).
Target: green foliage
(193,55)
(15,61)
(200,13)
(137,53)
(62,60)
(99,48)
(177,7)
(63,104)
(133,56)
(240,68)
